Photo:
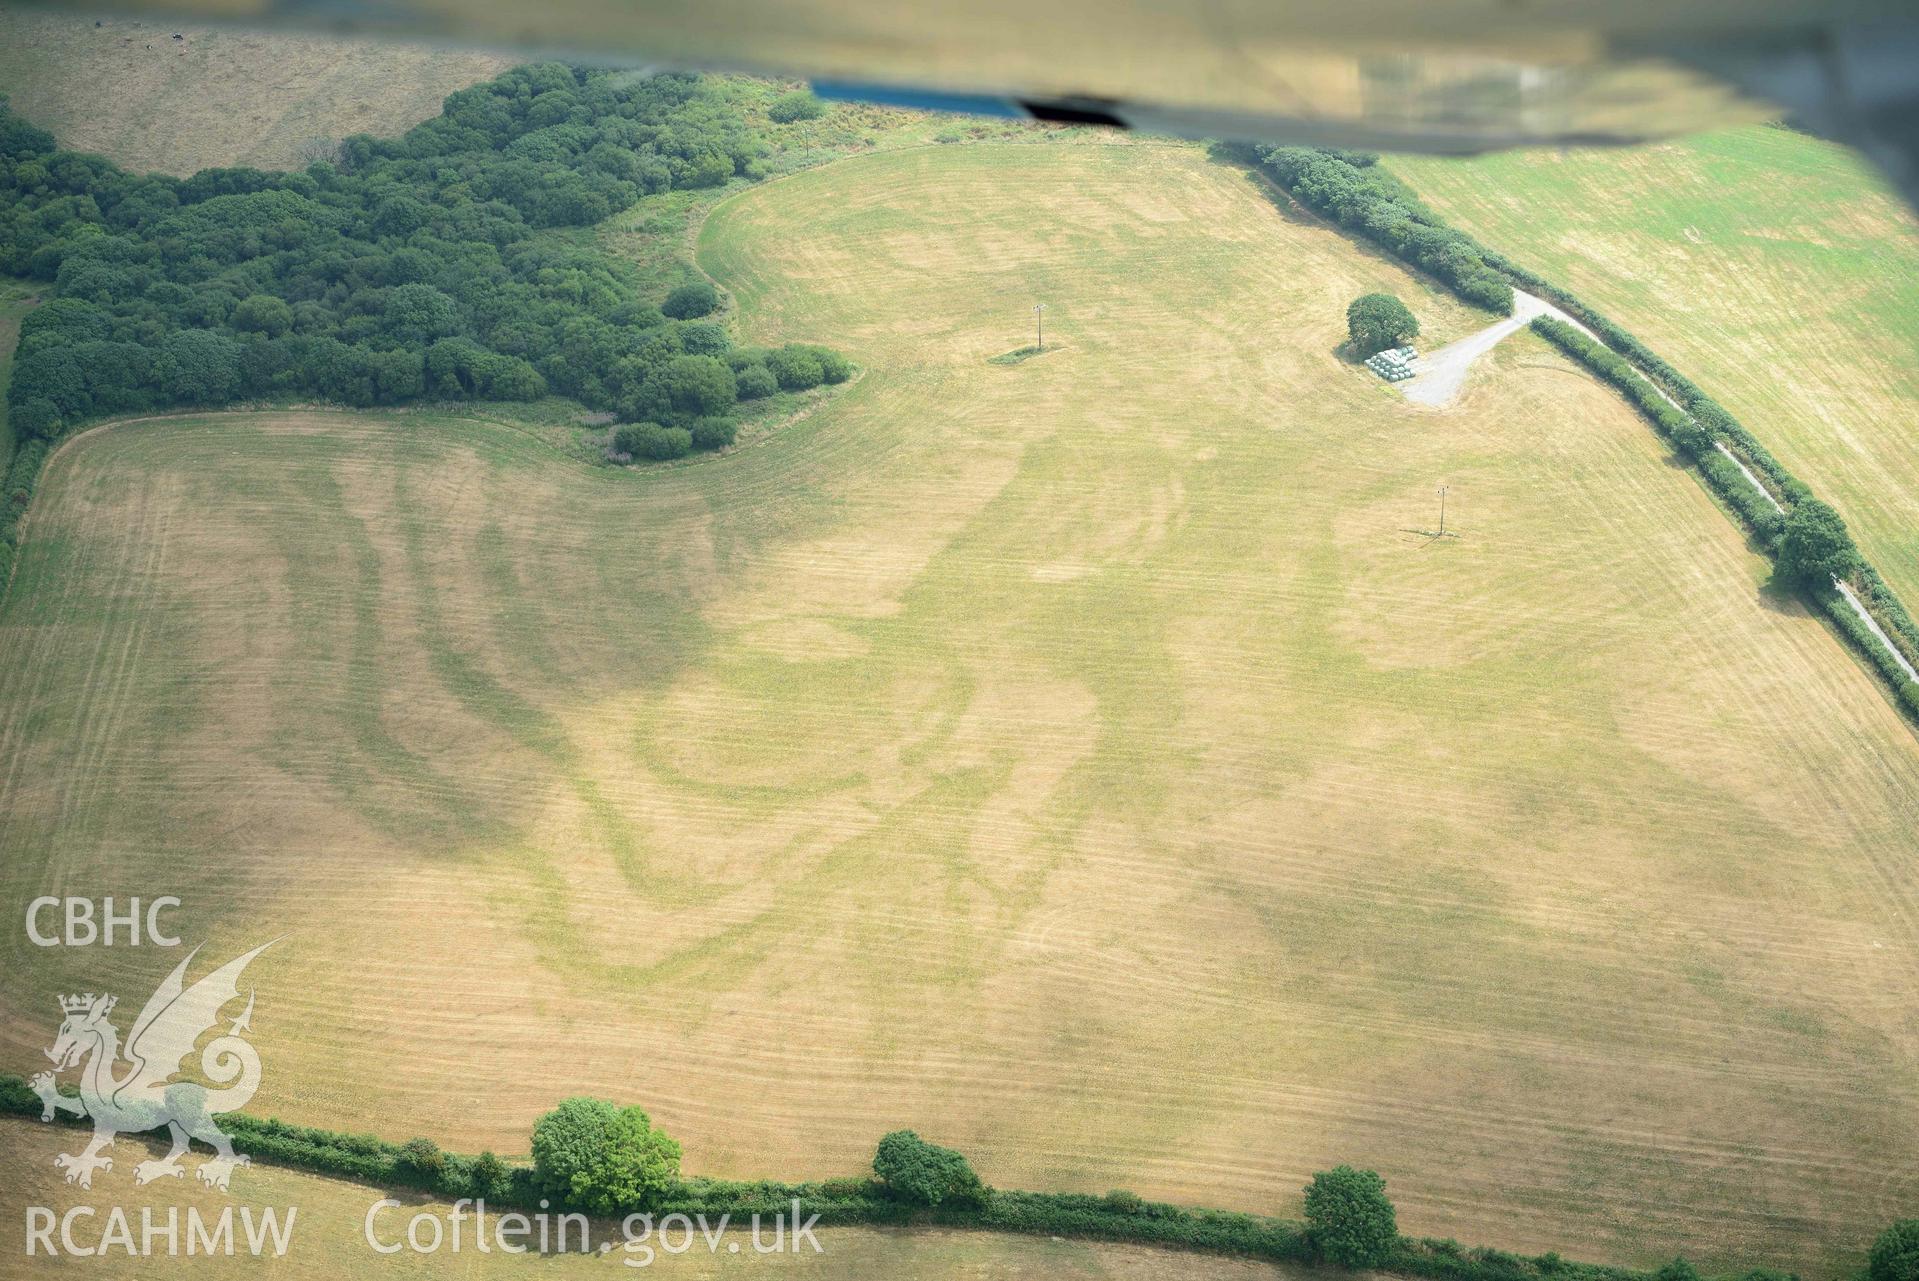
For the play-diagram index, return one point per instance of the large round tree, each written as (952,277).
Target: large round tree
(1895,1255)
(699,385)
(601,1158)
(923,1173)
(1378,321)
(691,301)
(1351,1222)
(1815,547)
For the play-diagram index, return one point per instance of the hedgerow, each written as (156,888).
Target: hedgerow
(1687,434)
(1365,198)
(23,473)
(1067,1214)
(1847,620)
(1359,194)
(1888,609)
(1712,416)
(1764,520)
(1116,1216)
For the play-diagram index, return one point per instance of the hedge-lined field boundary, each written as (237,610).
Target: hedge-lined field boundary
(1723,476)
(1118,1216)
(1786,488)
(23,473)
(1354,190)
(1350,188)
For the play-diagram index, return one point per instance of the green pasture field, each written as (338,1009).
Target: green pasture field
(1774,269)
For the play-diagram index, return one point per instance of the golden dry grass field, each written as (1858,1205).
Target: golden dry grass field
(1774,269)
(127,90)
(1085,762)
(328,1238)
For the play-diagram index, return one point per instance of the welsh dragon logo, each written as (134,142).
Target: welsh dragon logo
(141,1096)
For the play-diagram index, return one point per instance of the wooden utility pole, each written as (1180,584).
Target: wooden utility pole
(1442,509)
(1039,318)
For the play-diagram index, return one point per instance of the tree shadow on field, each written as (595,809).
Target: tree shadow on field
(1780,597)
(1239,156)
(1289,209)
(1347,354)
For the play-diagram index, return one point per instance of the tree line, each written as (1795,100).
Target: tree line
(593,1156)
(438,265)
(1808,539)
(1350,188)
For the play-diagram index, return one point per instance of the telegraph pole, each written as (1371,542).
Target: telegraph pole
(1039,319)
(1442,509)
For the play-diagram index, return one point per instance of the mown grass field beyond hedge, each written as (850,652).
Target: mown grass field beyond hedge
(1774,268)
